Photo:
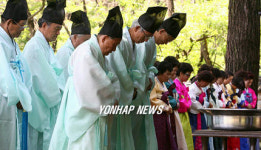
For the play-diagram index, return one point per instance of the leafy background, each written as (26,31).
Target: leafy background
(204,17)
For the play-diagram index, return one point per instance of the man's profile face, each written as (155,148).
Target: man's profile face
(51,31)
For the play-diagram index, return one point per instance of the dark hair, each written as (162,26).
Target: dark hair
(223,74)
(184,67)
(163,67)
(216,73)
(250,75)
(229,74)
(205,67)
(156,64)
(41,21)
(242,74)
(161,27)
(238,82)
(246,75)
(205,76)
(172,60)
(3,19)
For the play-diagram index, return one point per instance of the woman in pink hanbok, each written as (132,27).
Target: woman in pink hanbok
(183,75)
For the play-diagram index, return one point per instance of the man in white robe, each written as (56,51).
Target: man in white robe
(15,78)
(122,62)
(80,32)
(46,90)
(80,125)
(146,58)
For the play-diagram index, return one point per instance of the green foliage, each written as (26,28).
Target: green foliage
(209,17)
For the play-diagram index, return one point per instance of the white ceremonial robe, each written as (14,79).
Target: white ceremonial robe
(122,62)
(79,124)
(15,84)
(46,90)
(142,125)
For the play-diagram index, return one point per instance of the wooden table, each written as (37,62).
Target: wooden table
(224,134)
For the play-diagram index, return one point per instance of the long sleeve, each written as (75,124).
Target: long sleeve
(254,98)
(140,65)
(43,75)
(117,65)
(63,56)
(184,99)
(194,93)
(92,86)
(155,96)
(15,85)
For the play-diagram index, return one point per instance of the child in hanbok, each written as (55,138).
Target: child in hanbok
(164,123)
(197,95)
(183,74)
(234,92)
(218,86)
(232,101)
(174,102)
(228,78)
(250,99)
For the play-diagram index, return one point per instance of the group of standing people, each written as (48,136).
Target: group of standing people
(50,101)
(210,88)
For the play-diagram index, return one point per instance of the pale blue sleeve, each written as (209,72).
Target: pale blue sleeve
(11,85)
(43,76)
(117,65)
(93,87)
(140,65)
(63,57)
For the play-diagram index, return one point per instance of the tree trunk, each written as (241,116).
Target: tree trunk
(31,21)
(170,5)
(84,6)
(243,39)
(204,50)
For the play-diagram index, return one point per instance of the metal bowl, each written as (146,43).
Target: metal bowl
(234,119)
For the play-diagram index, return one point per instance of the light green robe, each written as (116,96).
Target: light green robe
(63,56)
(46,93)
(122,62)
(142,125)
(15,85)
(79,124)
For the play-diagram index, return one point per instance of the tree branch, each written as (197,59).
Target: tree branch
(42,7)
(66,29)
(84,6)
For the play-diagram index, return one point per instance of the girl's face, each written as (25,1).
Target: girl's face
(220,81)
(248,83)
(203,83)
(174,72)
(166,76)
(228,80)
(184,76)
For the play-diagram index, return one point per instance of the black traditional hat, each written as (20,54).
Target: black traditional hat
(113,24)
(54,12)
(174,24)
(81,24)
(152,19)
(16,10)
